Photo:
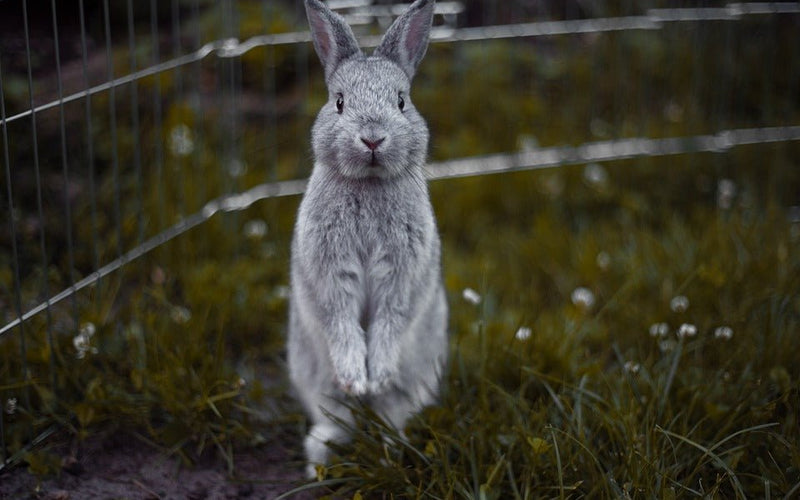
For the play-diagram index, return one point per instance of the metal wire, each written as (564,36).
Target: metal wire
(157,115)
(112,111)
(36,167)
(654,19)
(593,152)
(67,208)
(13,233)
(135,130)
(89,141)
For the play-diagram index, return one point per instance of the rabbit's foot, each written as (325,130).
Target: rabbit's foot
(316,445)
(384,367)
(383,376)
(352,379)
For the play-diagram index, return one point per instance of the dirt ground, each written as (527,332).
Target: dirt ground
(124,468)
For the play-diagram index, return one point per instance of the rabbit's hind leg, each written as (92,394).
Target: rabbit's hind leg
(316,444)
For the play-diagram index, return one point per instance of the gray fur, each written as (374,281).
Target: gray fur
(368,311)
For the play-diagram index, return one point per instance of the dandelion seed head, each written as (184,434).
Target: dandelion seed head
(180,314)
(181,140)
(82,342)
(528,143)
(471,296)
(595,175)
(686,330)
(723,332)
(632,367)
(282,292)
(523,333)
(237,168)
(255,229)
(583,297)
(87,330)
(603,260)
(726,191)
(11,406)
(659,329)
(679,303)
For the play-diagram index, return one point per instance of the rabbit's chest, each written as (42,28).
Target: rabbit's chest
(365,232)
(383,231)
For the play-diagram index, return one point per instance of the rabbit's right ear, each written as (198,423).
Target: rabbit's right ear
(406,40)
(333,39)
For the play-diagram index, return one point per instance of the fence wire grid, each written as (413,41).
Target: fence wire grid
(126,125)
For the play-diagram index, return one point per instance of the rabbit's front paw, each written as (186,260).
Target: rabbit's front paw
(382,381)
(383,373)
(352,378)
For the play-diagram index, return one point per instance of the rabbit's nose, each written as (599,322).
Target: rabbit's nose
(373,144)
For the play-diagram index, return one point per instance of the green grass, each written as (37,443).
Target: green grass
(546,396)
(591,404)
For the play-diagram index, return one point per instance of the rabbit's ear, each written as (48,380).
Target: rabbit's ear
(406,40)
(333,39)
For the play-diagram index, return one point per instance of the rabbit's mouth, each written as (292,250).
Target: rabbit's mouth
(373,161)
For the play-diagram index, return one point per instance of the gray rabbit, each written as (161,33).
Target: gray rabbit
(368,311)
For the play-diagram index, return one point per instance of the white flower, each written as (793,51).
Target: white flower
(237,168)
(524,333)
(181,140)
(726,191)
(583,297)
(528,143)
(255,229)
(659,329)
(471,296)
(603,260)
(282,292)
(723,332)
(87,330)
(11,406)
(180,314)
(595,175)
(632,367)
(679,303)
(686,330)
(82,341)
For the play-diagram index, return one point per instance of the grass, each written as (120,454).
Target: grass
(591,404)
(563,380)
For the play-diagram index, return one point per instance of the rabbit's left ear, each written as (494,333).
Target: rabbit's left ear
(406,40)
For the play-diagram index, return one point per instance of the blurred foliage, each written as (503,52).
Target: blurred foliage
(556,385)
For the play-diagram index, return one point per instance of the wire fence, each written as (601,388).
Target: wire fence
(127,125)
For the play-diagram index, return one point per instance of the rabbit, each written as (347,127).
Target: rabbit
(368,310)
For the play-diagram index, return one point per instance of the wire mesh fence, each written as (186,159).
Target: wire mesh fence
(127,125)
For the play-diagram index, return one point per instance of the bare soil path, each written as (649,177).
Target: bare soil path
(121,467)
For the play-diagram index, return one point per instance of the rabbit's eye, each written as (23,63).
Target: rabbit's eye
(401,103)
(340,104)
